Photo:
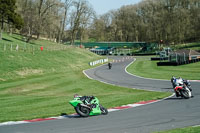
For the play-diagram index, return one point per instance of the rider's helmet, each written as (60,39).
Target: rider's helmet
(173,79)
(76,95)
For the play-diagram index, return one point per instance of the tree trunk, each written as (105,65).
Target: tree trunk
(81,36)
(72,38)
(29,36)
(1,32)
(60,32)
(63,24)
(10,29)
(136,36)
(40,16)
(38,35)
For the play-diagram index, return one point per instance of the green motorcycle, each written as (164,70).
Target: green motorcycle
(87,108)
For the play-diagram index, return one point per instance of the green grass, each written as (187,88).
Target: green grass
(193,46)
(146,68)
(10,42)
(18,39)
(40,84)
(183,130)
(21,64)
(47,92)
(49,95)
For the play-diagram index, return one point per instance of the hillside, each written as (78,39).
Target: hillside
(193,46)
(39,84)
(28,62)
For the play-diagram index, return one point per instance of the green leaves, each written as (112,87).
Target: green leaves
(8,14)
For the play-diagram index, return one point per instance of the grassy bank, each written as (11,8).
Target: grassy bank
(146,68)
(40,84)
(48,95)
(34,87)
(193,46)
(183,130)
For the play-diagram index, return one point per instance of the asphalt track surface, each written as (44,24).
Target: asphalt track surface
(167,114)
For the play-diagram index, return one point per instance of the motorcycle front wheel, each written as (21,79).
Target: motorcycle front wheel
(82,111)
(104,111)
(185,93)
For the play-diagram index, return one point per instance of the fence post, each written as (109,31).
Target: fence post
(10,47)
(17,47)
(4,47)
(32,49)
(184,57)
(24,47)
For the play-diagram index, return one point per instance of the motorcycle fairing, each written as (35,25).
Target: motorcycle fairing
(178,88)
(75,102)
(97,110)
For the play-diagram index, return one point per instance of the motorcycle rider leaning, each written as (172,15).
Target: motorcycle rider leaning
(109,65)
(86,99)
(174,80)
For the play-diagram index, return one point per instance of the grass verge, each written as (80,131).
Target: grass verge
(183,130)
(48,95)
(144,67)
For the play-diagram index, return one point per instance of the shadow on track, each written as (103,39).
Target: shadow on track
(177,98)
(70,116)
(167,88)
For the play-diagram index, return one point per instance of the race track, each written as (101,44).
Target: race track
(167,114)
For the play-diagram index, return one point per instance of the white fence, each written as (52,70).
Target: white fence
(33,48)
(101,61)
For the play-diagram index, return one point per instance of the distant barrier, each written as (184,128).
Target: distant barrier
(101,61)
(33,48)
(144,45)
(179,59)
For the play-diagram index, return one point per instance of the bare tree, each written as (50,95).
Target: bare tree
(174,21)
(79,16)
(67,5)
(85,21)
(43,7)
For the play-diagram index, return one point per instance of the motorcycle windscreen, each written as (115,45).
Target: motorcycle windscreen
(74,103)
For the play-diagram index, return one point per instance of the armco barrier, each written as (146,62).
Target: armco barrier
(98,62)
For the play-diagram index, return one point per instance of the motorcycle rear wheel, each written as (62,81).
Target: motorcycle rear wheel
(82,111)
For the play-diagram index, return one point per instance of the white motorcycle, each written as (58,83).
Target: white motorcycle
(181,87)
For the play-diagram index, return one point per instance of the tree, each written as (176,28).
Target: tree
(8,15)
(67,4)
(41,17)
(174,21)
(79,16)
(43,7)
(27,9)
(97,30)
(85,21)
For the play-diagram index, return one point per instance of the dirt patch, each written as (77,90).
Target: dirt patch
(28,71)
(2,79)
